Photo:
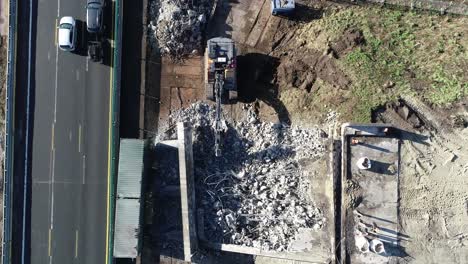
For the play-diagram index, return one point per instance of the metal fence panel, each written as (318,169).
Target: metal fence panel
(127,228)
(130,168)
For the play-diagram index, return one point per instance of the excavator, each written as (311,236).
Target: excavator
(220,81)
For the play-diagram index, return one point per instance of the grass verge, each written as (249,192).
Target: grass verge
(420,53)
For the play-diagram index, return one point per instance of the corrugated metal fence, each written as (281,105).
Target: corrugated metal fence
(129,186)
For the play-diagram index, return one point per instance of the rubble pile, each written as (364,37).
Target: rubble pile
(256,194)
(176,27)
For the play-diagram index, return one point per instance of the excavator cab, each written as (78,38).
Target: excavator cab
(220,58)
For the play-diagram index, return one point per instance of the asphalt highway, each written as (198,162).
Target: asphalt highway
(70,143)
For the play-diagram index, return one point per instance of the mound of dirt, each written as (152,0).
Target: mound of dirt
(301,67)
(297,74)
(301,71)
(351,39)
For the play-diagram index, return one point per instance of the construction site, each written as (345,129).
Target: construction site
(301,131)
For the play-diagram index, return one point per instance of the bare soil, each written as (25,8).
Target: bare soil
(3,65)
(433,187)
(434,198)
(367,56)
(333,62)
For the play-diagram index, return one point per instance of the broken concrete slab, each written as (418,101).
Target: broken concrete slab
(369,202)
(187,190)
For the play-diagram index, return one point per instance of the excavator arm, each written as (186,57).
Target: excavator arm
(219,125)
(220,82)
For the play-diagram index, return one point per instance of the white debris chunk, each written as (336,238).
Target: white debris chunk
(176,27)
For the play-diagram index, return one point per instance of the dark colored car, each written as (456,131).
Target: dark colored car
(95,51)
(94,15)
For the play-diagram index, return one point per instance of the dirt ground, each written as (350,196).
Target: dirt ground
(334,57)
(353,59)
(3,65)
(432,206)
(434,198)
(328,64)
(335,62)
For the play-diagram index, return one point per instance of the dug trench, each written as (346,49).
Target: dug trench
(264,78)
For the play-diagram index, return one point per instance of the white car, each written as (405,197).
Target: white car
(67,33)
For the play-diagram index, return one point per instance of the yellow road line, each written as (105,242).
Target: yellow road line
(56,31)
(110,139)
(50,241)
(76,243)
(79,138)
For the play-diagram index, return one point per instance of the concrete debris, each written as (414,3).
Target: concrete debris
(451,157)
(257,193)
(377,246)
(176,27)
(361,242)
(364,163)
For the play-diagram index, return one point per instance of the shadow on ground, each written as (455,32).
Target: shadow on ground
(218,26)
(131,68)
(305,14)
(256,73)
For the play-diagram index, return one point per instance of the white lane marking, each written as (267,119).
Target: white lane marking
(50,184)
(53,125)
(50,243)
(79,138)
(76,243)
(56,182)
(48,55)
(52,198)
(77,75)
(70,135)
(56,31)
(84,168)
(87,63)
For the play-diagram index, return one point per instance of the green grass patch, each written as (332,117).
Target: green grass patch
(421,53)
(446,89)
(393,53)
(336,22)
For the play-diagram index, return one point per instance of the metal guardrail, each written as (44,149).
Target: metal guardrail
(9,134)
(115,101)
